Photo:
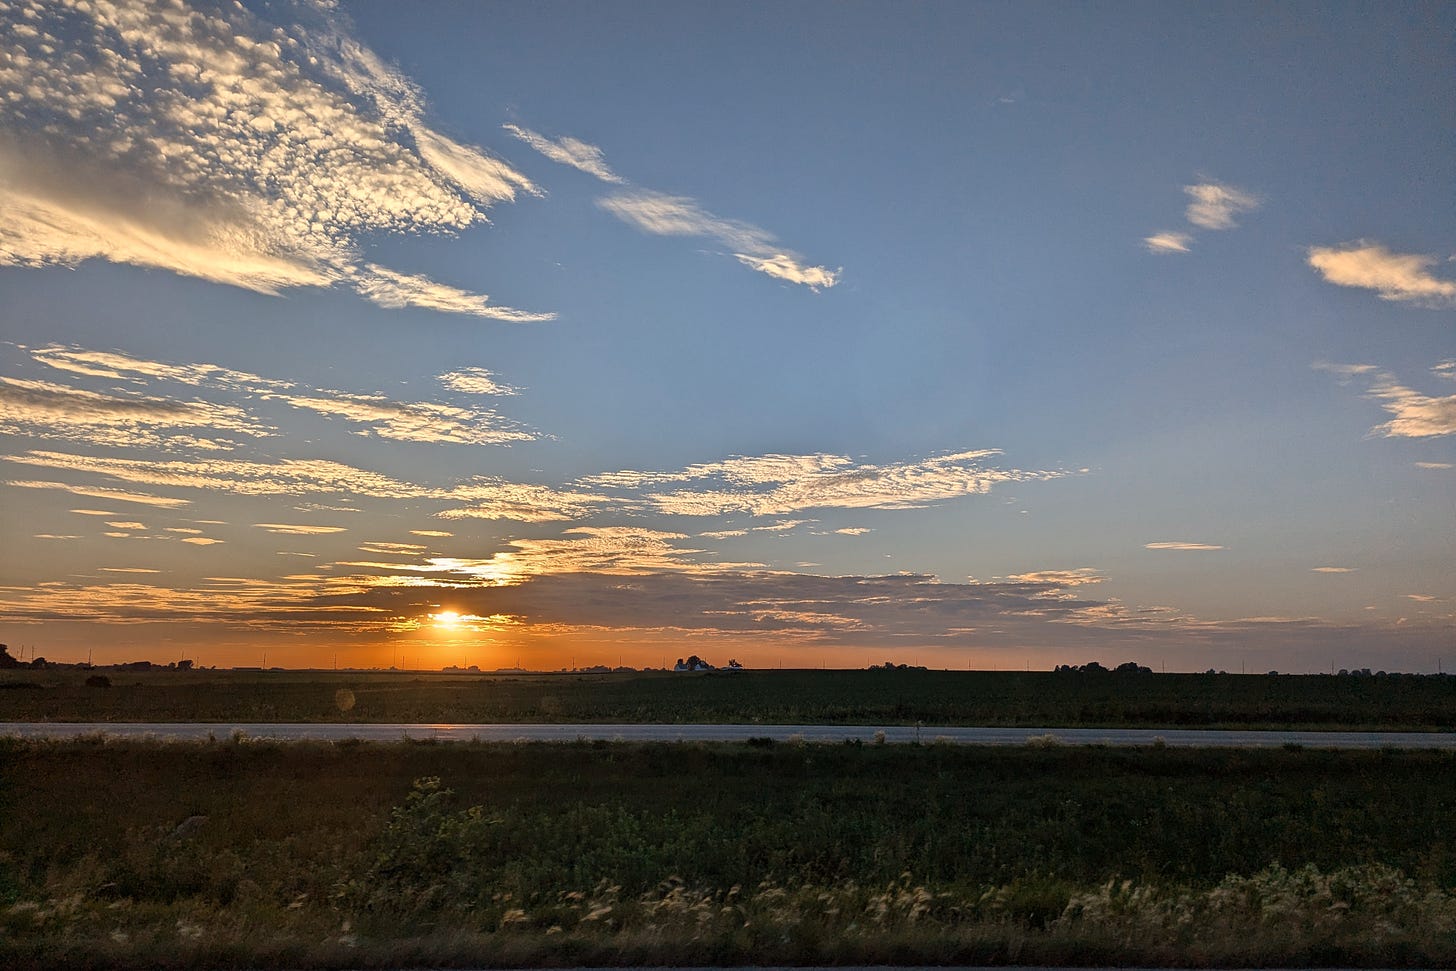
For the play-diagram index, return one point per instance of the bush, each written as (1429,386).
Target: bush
(98,681)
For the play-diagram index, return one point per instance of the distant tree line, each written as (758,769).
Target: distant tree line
(1092,667)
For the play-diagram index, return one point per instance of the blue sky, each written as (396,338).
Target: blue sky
(974,334)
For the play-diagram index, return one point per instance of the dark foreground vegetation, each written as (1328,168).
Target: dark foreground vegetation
(1102,699)
(243,853)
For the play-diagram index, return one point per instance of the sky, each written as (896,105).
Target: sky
(969,335)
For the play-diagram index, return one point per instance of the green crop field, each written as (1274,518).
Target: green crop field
(244,853)
(904,697)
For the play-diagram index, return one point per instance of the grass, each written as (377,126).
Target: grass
(1028,699)
(372,855)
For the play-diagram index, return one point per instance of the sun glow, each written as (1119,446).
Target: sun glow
(447,619)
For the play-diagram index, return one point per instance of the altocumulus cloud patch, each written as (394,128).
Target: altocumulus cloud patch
(215,144)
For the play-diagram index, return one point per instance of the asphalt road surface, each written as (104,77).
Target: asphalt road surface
(894,734)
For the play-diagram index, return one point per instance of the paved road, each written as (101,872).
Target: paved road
(735,733)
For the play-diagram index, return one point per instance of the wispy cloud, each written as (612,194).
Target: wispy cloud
(394,290)
(475,380)
(100,492)
(607,550)
(1333,569)
(291,529)
(781,266)
(416,421)
(1060,579)
(568,151)
(236,476)
(523,502)
(766,485)
(1167,242)
(479,498)
(56,411)
(1404,277)
(1416,415)
(662,214)
(222,146)
(1434,466)
(123,367)
(1212,206)
(667,215)
(1181,546)
(401,549)
(1215,205)
(43,409)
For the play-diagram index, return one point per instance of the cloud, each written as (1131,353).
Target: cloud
(401,549)
(568,151)
(475,380)
(853,531)
(523,502)
(1214,205)
(127,525)
(123,367)
(482,498)
(57,411)
(1060,579)
(100,492)
(43,409)
(288,529)
(781,266)
(236,476)
(608,550)
(430,532)
(1446,369)
(219,145)
(1167,242)
(1416,415)
(767,485)
(202,541)
(666,215)
(1180,546)
(416,421)
(394,290)
(1433,466)
(1404,277)
(127,569)
(1333,569)
(880,611)
(740,470)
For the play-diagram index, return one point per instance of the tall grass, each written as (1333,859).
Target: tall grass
(361,855)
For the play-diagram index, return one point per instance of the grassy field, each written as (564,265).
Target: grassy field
(245,853)
(1403,702)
